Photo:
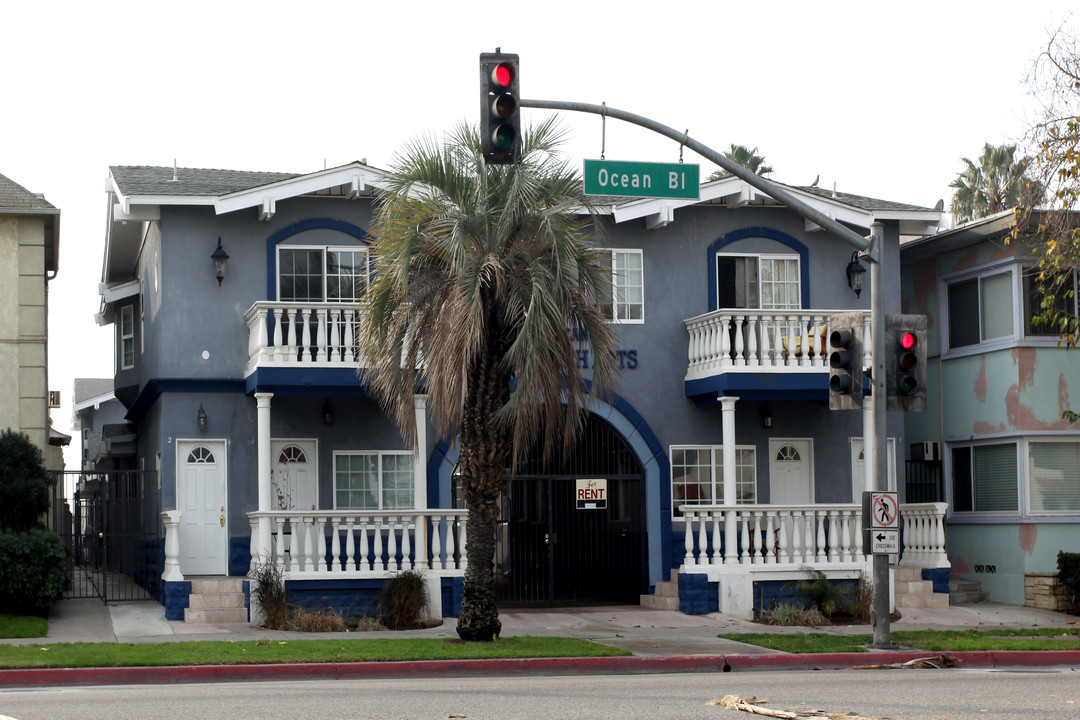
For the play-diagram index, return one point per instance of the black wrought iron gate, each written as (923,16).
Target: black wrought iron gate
(112,537)
(553,550)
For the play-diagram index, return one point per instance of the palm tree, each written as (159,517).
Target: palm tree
(998,182)
(749,159)
(482,270)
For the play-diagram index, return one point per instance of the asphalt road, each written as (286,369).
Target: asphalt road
(895,694)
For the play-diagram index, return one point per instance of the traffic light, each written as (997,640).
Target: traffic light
(500,116)
(905,362)
(845,361)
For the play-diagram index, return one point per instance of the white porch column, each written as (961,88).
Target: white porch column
(727,405)
(262,401)
(171,520)
(420,498)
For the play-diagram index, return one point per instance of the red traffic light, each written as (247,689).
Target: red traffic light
(907,340)
(503,74)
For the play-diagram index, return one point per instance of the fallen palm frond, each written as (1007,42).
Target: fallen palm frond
(936,662)
(753,705)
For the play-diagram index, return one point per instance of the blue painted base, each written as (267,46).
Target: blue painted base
(769,593)
(174,596)
(698,596)
(940,578)
(453,589)
(239,555)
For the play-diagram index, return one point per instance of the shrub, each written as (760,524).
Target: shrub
(325,620)
(787,614)
(32,570)
(827,596)
(402,600)
(268,589)
(1069,572)
(24,482)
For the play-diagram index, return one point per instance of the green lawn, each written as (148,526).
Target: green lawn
(23,626)
(931,640)
(219,652)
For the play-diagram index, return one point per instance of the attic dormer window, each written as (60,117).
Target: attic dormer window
(322,274)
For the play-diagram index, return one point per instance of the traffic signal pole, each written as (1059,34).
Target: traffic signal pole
(872,250)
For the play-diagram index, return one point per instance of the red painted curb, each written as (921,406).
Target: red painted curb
(42,677)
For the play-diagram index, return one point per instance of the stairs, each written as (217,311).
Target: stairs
(216,600)
(911,591)
(966,592)
(666,595)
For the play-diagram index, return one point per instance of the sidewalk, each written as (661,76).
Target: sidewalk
(661,641)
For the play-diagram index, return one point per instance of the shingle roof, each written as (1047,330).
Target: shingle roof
(861,202)
(14,195)
(88,388)
(146,180)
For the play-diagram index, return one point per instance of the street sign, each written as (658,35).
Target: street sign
(884,510)
(642,179)
(884,542)
(591,494)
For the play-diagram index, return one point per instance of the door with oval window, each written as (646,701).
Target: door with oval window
(294,475)
(791,476)
(201,498)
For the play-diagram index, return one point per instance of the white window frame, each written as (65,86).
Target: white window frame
(127,338)
(618,287)
(323,250)
(716,475)
(760,258)
(380,489)
(1025,464)
(1049,339)
(1021,460)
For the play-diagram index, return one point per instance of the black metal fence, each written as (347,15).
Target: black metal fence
(111,530)
(924,481)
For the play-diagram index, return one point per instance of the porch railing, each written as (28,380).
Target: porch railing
(290,334)
(765,340)
(330,544)
(777,538)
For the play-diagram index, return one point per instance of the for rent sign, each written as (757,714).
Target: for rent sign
(641,179)
(592,494)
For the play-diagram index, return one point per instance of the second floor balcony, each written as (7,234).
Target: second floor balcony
(302,335)
(763,353)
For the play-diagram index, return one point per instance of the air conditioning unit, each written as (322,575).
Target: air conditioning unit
(926,451)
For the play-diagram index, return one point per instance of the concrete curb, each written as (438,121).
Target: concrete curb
(42,677)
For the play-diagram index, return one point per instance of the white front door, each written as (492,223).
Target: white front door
(294,477)
(791,479)
(200,496)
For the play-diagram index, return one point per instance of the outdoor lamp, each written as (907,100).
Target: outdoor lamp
(201,418)
(766,418)
(855,272)
(220,257)
(327,414)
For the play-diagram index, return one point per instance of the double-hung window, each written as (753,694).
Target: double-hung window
(627,304)
(322,274)
(127,337)
(375,480)
(1053,477)
(765,282)
(981,308)
(697,475)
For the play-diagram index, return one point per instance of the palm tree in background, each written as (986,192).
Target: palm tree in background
(997,182)
(482,270)
(749,159)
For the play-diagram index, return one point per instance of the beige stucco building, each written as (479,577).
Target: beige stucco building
(29,251)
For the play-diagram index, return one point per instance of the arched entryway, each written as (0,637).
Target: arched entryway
(573,530)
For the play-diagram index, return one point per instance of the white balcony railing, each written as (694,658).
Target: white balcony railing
(779,538)
(760,340)
(292,334)
(339,544)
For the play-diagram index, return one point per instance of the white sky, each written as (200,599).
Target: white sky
(880,98)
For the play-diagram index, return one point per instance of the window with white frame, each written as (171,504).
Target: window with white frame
(127,337)
(627,303)
(322,274)
(980,308)
(373,480)
(985,478)
(1062,298)
(697,475)
(765,282)
(1053,476)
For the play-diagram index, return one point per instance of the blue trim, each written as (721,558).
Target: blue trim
(303,226)
(305,381)
(759,386)
(154,387)
(752,232)
(174,596)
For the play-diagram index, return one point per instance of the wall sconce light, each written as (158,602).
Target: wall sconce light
(766,418)
(220,257)
(201,418)
(855,272)
(327,414)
